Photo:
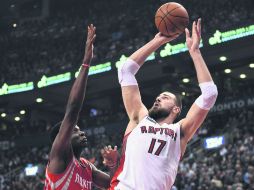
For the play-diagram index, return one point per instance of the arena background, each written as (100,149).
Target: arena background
(41,47)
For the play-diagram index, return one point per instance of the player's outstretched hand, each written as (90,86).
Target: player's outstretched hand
(89,44)
(110,156)
(194,40)
(164,39)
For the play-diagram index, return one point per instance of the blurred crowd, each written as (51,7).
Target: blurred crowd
(12,168)
(56,43)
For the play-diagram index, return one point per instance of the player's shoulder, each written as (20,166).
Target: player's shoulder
(84,161)
(174,125)
(181,121)
(148,118)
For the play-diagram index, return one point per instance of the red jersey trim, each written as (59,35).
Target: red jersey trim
(55,180)
(114,182)
(56,175)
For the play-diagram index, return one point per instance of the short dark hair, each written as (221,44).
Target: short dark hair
(178,100)
(54,131)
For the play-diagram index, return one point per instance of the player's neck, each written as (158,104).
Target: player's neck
(77,152)
(168,120)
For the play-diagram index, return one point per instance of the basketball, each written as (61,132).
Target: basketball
(171,19)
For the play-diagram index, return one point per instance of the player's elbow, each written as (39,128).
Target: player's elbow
(126,73)
(208,97)
(208,102)
(212,95)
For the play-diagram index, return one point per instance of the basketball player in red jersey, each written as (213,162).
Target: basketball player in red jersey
(153,144)
(66,170)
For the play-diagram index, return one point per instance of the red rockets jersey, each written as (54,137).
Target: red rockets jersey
(76,176)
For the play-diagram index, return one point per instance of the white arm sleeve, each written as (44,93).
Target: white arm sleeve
(209,95)
(126,73)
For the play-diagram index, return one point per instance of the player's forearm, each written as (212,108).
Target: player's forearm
(78,90)
(141,54)
(101,179)
(112,171)
(209,90)
(62,143)
(202,71)
(77,93)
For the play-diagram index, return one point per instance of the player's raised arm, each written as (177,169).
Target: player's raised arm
(126,75)
(61,152)
(206,100)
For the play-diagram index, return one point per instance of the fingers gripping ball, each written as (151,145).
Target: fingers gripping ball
(171,19)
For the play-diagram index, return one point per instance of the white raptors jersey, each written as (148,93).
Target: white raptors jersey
(150,157)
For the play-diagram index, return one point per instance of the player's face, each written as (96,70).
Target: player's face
(78,138)
(162,106)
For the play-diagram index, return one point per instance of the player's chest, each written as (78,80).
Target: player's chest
(82,178)
(152,139)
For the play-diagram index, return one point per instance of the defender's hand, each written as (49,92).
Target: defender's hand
(109,156)
(194,40)
(89,44)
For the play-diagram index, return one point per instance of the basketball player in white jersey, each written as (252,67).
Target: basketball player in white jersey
(153,144)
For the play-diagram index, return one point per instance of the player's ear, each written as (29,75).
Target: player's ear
(176,110)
